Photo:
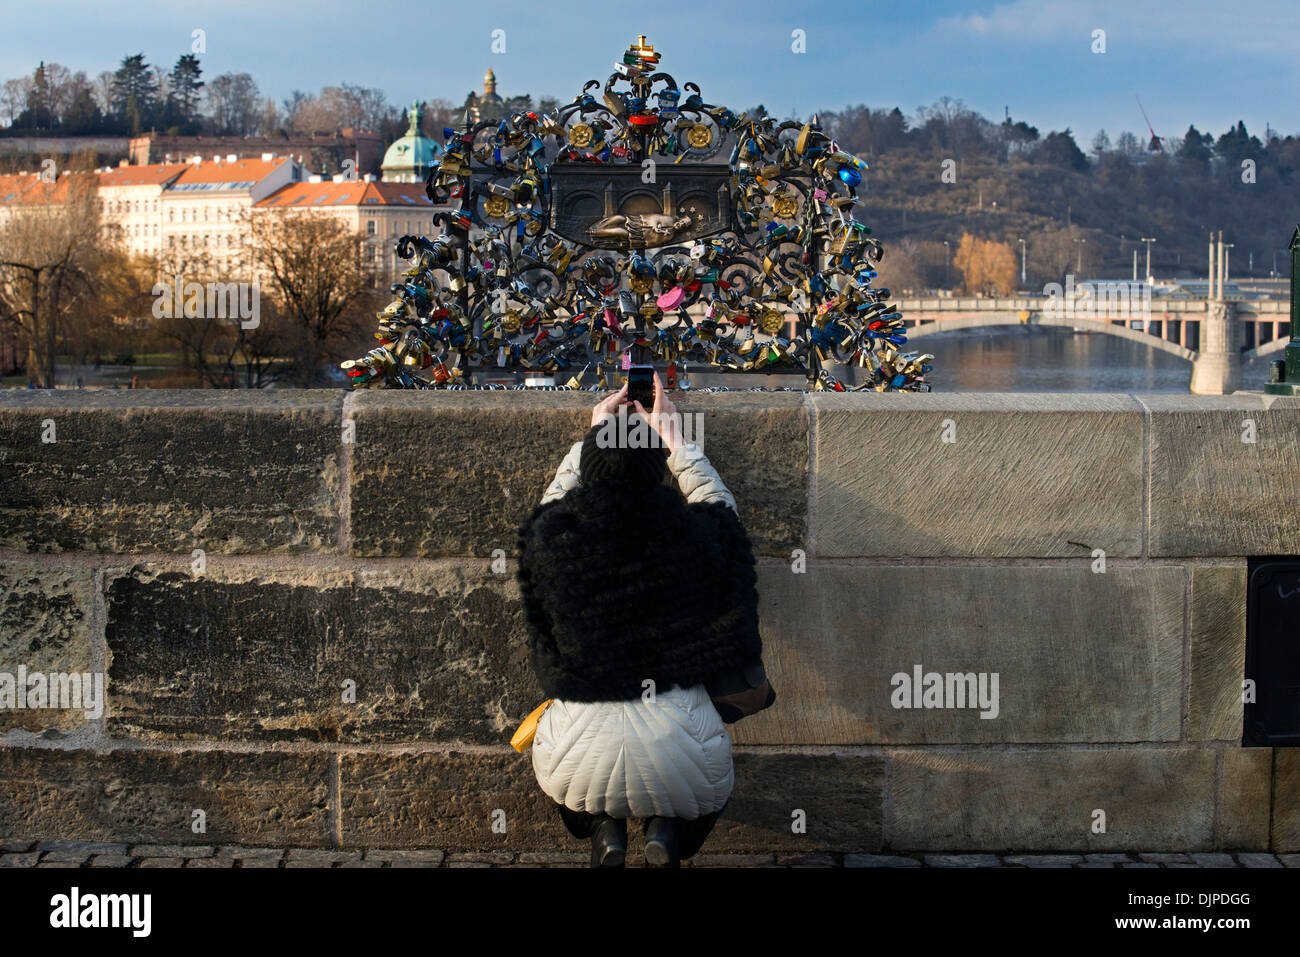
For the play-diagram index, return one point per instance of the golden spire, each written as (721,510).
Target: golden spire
(489,82)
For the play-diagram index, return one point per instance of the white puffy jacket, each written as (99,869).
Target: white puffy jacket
(667,757)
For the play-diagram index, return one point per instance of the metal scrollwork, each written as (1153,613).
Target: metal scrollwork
(602,225)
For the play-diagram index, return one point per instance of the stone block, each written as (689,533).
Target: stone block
(1050,476)
(1214,492)
(1244,807)
(468,467)
(436,651)
(1218,652)
(992,801)
(170,470)
(1080,656)
(145,797)
(1285,837)
(448,801)
(45,627)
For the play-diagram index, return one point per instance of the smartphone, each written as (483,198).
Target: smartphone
(641,386)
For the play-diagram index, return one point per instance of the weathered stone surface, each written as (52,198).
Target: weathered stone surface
(963,860)
(841,797)
(447,801)
(403,858)
(45,626)
(1218,652)
(1286,801)
(1047,799)
(1214,860)
(1165,858)
(312,857)
(170,470)
(147,797)
(1213,493)
(436,651)
(468,467)
(1258,860)
(236,852)
(759,445)
(879,860)
(1043,860)
(1244,808)
(1027,475)
(1080,656)
(172,850)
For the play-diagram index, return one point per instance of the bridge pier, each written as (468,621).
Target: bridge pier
(1216,370)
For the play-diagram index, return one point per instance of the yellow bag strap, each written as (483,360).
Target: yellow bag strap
(524,734)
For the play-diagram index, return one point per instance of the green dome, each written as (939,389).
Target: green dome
(407,159)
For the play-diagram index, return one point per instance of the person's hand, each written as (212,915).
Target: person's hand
(606,407)
(664,418)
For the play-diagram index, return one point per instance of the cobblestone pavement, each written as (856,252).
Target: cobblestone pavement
(91,854)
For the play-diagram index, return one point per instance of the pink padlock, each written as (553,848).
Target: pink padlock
(672,298)
(611,321)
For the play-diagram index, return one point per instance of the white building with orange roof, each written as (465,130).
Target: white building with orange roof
(130,200)
(381,212)
(204,208)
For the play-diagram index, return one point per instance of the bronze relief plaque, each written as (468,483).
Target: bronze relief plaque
(613,208)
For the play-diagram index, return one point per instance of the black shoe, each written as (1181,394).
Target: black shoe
(608,842)
(661,843)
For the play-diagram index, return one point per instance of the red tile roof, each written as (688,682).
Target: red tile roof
(238,171)
(20,189)
(355,193)
(156,174)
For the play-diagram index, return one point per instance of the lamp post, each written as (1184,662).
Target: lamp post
(1148,243)
(1022,263)
(947,264)
(1284,374)
(1078,266)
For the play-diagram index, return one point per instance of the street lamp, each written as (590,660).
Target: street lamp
(1148,243)
(1022,263)
(1078,267)
(947,267)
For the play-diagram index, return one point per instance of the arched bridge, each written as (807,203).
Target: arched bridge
(1216,336)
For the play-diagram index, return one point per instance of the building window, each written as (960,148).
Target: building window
(370,227)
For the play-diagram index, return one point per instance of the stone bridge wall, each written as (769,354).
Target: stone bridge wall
(350,538)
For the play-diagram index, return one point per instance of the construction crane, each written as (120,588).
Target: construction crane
(1155,146)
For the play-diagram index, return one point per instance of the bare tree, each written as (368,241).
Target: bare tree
(50,252)
(13,97)
(234,104)
(312,271)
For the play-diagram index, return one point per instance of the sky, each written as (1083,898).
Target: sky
(1207,62)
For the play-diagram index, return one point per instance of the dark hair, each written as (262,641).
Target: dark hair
(637,465)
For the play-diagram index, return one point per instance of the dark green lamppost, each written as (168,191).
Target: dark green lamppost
(1284,374)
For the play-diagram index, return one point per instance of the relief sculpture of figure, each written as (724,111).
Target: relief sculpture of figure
(640,230)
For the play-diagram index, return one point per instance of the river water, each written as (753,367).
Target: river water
(1019,359)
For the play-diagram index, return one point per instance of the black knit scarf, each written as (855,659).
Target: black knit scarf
(622,585)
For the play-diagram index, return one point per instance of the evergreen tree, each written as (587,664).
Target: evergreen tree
(1059,149)
(135,95)
(1237,145)
(183,94)
(1196,147)
(39,114)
